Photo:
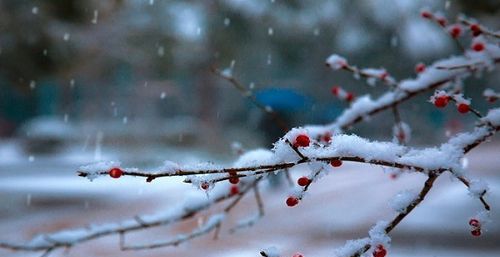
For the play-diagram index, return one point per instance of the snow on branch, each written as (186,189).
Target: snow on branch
(318,149)
(434,76)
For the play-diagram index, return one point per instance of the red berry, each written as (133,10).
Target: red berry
(401,136)
(380,251)
(335,90)
(474,222)
(476,232)
(455,31)
(234,190)
(205,185)
(491,99)
(298,255)
(303,181)
(420,67)
(349,97)
(302,140)
(441,101)
(292,201)
(426,14)
(463,108)
(478,46)
(336,163)
(234,180)
(115,172)
(327,137)
(384,75)
(476,29)
(442,21)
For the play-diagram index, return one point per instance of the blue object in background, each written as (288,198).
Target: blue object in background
(283,100)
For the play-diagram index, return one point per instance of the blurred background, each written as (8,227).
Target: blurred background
(82,81)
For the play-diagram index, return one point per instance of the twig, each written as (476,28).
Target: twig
(423,192)
(249,94)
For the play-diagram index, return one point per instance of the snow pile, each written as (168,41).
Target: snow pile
(493,117)
(351,247)
(255,158)
(378,235)
(271,252)
(478,188)
(169,167)
(352,145)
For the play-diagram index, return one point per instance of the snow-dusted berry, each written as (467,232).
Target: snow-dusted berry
(302,140)
(298,255)
(442,21)
(292,201)
(419,68)
(204,185)
(326,137)
(384,75)
(115,172)
(476,232)
(476,29)
(463,108)
(336,163)
(455,30)
(478,46)
(233,177)
(474,222)
(441,101)
(234,180)
(426,14)
(303,181)
(234,190)
(380,251)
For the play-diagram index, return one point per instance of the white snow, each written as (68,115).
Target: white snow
(93,169)
(351,247)
(478,187)
(271,251)
(400,201)
(336,61)
(493,117)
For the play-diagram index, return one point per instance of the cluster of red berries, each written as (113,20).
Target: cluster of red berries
(380,251)
(475,227)
(115,172)
(439,18)
(443,100)
(342,94)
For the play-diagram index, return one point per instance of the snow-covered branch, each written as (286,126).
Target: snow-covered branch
(434,76)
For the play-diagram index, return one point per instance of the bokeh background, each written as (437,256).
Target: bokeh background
(82,81)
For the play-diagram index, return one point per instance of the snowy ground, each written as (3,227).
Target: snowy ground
(44,195)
